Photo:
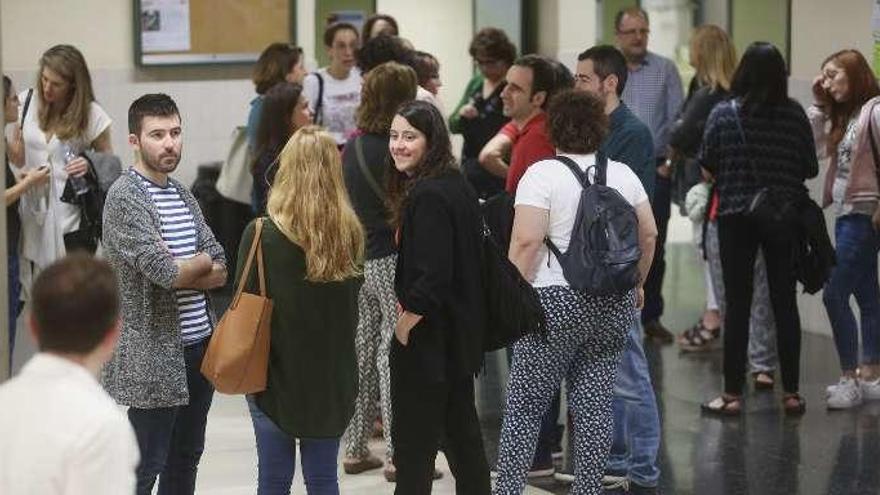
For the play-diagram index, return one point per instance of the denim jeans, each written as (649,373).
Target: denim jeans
(171,439)
(14,303)
(636,439)
(276,454)
(855,275)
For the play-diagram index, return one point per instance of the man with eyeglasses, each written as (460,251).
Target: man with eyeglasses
(654,93)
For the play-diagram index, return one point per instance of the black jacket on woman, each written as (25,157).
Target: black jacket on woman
(439,275)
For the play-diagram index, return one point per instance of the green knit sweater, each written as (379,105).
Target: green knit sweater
(312,382)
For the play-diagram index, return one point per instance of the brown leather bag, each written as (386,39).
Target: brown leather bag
(237,357)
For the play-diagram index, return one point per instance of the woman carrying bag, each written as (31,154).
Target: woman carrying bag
(312,247)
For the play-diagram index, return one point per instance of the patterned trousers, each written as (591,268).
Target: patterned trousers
(584,343)
(377,306)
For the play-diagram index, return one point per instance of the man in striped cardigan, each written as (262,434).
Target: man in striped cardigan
(166,258)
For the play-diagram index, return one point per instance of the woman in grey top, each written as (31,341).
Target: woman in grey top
(845,110)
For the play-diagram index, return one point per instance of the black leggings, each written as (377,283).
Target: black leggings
(739,237)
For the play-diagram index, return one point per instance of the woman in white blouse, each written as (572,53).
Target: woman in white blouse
(60,120)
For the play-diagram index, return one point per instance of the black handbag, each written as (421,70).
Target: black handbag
(512,305)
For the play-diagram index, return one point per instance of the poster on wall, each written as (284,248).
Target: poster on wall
(875,30)
(165,26)
(354,17)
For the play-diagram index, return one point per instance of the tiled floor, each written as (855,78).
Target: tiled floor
(762,453)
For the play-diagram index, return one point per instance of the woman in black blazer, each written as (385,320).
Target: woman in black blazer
(437,348)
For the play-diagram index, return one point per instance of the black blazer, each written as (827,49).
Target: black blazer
(439,276)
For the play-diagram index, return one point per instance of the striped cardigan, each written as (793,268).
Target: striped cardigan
(148,369)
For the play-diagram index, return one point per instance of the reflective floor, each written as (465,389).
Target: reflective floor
(762,452)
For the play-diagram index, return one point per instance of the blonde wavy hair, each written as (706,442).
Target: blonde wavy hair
(71,120)
(714,56)
(309,204)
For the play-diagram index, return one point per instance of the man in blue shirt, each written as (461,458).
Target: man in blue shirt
(654,93)
(602,71)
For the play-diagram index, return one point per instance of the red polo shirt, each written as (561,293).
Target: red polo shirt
(530,144)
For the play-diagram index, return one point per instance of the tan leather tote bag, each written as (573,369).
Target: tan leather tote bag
(237,357)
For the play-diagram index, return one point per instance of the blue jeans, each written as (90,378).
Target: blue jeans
(855,274)
(14,285)
(636,438)
(276,452)
(171,439)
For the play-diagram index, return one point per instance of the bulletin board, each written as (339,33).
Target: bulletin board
(188,32)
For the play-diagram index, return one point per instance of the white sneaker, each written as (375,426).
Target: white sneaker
(846,394)
(871,390)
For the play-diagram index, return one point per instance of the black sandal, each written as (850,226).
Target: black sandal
(763,380)
(794,404)
(698,338)
(723,405)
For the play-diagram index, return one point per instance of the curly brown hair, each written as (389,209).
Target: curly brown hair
(493,43)
(576,122)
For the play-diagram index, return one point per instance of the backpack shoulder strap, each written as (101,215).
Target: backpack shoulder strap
(579,174)
(319,105)
(601,176)
(27,105)
(365,170)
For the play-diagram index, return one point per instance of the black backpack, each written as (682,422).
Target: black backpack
(603,253)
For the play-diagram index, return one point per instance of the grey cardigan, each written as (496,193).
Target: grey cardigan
(148,369)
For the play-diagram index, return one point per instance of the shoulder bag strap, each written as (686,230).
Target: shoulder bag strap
(256,248)
(319,105)
(27,104)
(601,176)
(579,174)
(362,164)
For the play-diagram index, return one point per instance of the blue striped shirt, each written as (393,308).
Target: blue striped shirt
(178,231)
(654,93)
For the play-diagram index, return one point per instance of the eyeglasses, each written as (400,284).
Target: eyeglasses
(633,32)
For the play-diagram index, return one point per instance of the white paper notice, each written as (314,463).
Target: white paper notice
(165,26)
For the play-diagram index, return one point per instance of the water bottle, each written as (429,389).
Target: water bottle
(79,184)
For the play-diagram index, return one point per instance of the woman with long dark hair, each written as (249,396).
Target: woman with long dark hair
(285,110)
(437,345)
(759,148)
(846,124)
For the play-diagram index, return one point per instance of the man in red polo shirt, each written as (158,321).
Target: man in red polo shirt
(530,81)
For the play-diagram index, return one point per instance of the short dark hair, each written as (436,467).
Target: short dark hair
(544,76)
(276,61)
(150,105)
(576,122)
(427,66)
(75,304)
(493,43)
(332,29)
(761,78)
(381,49)
(607,61)
(373,19)
(630,11)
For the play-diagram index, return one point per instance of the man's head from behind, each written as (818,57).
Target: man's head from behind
(530,83)
(154,128)
(601,70)
(75,308)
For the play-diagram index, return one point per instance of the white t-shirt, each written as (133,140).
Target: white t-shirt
(341,99)
(550,185)
(44,217)
(62,434)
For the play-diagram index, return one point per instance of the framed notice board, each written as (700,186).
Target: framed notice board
(185,32)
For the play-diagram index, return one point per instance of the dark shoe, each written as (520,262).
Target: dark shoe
(794,404)
(390,473)
(723,405)
(635,489)
(366,464)
(698,338)
(656,331)
(763,380)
